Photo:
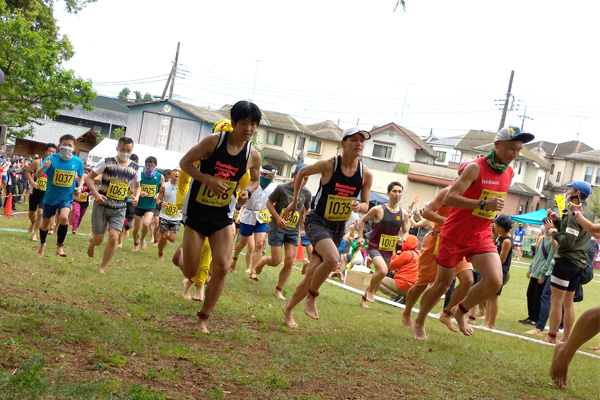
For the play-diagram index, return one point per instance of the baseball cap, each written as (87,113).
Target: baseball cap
(581,186)
(299,167)
(353,131)
(505,221)
(513,133)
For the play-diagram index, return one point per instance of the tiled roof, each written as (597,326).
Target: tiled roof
(326,130)
(588,156)
(108,103)
(560,149)
(50,131)
(521,188)
(274,119)
(449,141)
(203,114)
(277,155)
(475,138)
(417,141)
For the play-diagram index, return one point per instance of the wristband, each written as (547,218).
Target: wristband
(574,213)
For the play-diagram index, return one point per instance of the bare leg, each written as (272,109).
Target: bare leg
(250,254)
(430,298)
(38,223)
(162,243)
(329,254)
(466,281)
(412,296)
(147,221)
(491,312)
(300,293)
(259,242)
(111,248)
(137,224)
(236,252)
(557,297)
(284,274)
(187,288)
(381,270)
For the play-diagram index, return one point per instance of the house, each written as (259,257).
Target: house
(108,115)
(445,149)
(48,131)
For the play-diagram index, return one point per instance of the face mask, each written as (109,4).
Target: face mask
(66,153)
(123,156)
(150,172)
(264,182)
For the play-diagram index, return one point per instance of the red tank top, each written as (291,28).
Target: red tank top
(467,225)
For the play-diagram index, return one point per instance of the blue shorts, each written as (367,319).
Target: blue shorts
(304,240)
(50,211)
(248,230)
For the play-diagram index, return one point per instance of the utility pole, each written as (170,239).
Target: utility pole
(524,116)
(508,94)
(171,78)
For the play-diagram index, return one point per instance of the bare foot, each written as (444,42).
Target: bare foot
(136,247)
(144,245)
(187,287)
(310,307)
(534,331)
(232,265)
(549,339)
(74,232)
(155,244)
(447,320)
(40,251)
(50,231)
(304,267)
(261,265)
(60,251)
(463,325)
(161,257)
(370,296)
(406,321)
(120,245)
(199,296)
(253,277)
(30,229)
(90,250)
(472,320)
(559,367)
(101,269)
(248,270)
(279,295)
(419,331)
(34,237)
(363,302)
(202,325)
(288,314)
(487,326)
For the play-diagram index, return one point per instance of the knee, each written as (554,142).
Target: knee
(250,247)
(330,261)
(172,237)
(112,239)
(467,281)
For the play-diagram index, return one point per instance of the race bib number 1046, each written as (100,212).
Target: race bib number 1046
(207,197)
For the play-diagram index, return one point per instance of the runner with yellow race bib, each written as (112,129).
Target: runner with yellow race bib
(169,219)
(145,212)
(36,200)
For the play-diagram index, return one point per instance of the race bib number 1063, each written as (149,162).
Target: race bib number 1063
(63,178)
(117,191)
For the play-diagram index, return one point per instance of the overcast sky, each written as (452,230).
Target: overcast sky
(441,65)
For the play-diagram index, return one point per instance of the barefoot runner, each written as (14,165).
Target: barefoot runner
(145,211)
(285,232)
(210,203)
(64,173)
(389,219)
(343,177)
(36,200)
(476,197)
(110,205)
(169,217)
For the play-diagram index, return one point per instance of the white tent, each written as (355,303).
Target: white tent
(167,159)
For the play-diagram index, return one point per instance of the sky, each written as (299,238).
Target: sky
(441,67)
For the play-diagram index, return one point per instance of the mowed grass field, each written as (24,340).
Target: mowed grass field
(68,332)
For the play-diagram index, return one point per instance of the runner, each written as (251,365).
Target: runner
(343,177)
(169,217)
(145,211)
(476,197)
(437,213)
(117,174)
(80,206)
(210,202)
(130,213)
(36,200)
(63,172)
(389,219)
(285,232)
(518,237)
(254,222)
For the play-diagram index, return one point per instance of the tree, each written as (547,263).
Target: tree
(118,133)
(594,201)
(147,97)
(138,96)
(123,94)
(31,55)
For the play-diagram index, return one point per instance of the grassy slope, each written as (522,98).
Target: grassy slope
(68,332)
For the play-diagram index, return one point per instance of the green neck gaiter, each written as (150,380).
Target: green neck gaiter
(495,165)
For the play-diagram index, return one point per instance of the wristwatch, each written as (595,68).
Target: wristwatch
(482,204)
(574,213)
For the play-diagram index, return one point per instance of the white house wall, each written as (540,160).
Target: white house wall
(403,149)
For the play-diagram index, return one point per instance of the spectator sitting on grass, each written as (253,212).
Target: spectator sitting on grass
(403,270)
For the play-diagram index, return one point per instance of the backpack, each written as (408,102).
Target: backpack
(588,272)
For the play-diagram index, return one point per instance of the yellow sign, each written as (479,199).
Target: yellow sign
(117,190)
(207,197)
(560,203)
(265,215)
(150,190)
(42,183)
(387,242)
(63,178)
(292,219)
(486,195)
(338,208)
(171,210)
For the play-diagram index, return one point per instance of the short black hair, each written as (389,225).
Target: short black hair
(391,186)
(49,145)
(244,109)
(134,158)
(66,137)
(167,172)
(151,160)
(124,140)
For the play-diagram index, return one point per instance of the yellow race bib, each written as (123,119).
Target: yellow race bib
(171,210)
(338,208)
(63,178)
(265,215)
(42,183)
(486,195)
(83,197)
(207,197)
(387,242)
(117,190)
(150,190)
(292,219)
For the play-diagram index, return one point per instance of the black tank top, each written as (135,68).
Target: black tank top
(220,165)
(385,232)
(333,199)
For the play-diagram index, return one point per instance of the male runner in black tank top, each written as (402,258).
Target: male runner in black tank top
(389,218)
(343,177)
(208,207)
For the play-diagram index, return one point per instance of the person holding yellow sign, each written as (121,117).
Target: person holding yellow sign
(342,178)
(389,219)
(64,172)
(150,182)
(285,232)
(110,205)
(169,217)
(36,200)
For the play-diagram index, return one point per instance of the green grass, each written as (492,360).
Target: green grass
(68,332)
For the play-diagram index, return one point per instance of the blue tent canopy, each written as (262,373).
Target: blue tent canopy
(376,198)
(534,218)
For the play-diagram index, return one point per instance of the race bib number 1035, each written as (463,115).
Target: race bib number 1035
(338,208)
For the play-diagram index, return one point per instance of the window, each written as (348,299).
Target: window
(552,169)
(314,146)
(441,156)
(382,151)
(588,174)
(97,129)
(558,177)
(539,181)
(301,142)
(275,138)
(598,176)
